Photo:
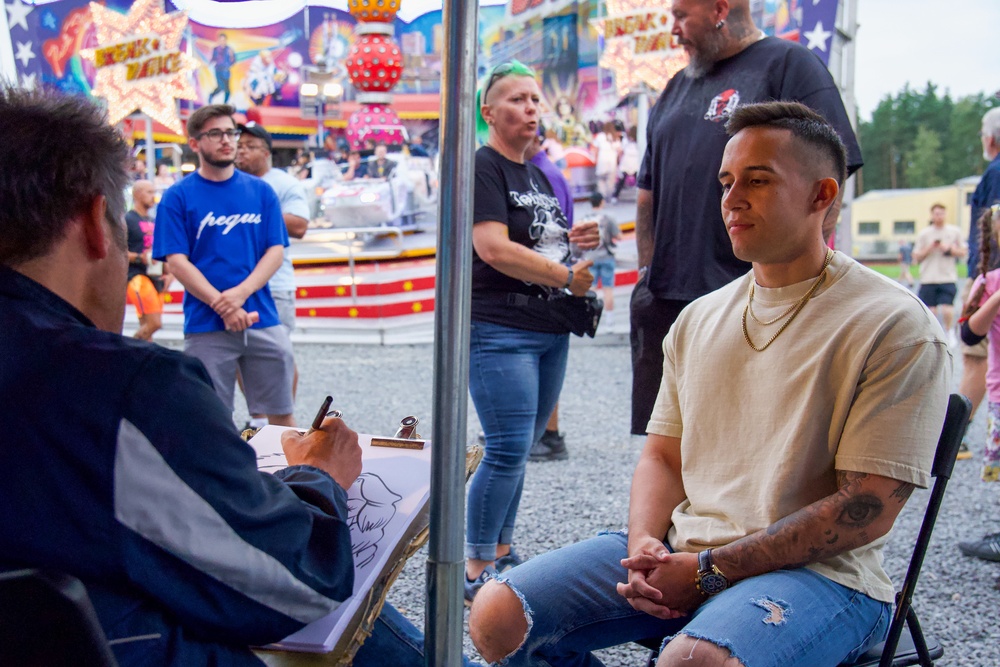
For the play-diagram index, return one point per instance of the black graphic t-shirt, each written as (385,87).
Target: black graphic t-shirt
(140,240)
(519,196)
(686,135)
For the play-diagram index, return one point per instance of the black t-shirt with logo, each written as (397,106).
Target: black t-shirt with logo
(686,135)
(140,240)
(519,196)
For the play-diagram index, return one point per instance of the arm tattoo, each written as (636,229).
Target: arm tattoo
(860,511)
(902,492)
(850,518)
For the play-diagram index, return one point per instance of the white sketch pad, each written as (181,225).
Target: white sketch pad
(393,487)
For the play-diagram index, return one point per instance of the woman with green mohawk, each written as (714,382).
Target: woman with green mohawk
(525,256)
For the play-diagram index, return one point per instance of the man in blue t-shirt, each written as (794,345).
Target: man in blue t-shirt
(222,235)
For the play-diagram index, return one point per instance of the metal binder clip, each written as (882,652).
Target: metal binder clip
(407,428)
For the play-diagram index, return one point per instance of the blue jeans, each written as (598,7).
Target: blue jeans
(603,271)
(514,377)
(786,617)
(394,641)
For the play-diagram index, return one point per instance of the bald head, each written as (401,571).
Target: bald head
(143,196)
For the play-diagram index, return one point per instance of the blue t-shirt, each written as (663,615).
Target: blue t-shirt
(987,193)
(224,228)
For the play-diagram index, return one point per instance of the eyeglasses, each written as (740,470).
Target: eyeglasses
(499,72)
(216,135)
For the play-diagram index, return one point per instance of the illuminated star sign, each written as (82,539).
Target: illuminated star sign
(140,64)
(817,37)
(638,44)
(24,53)
(17,13)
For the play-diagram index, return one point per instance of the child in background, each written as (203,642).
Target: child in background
(979,318)
(604,257)
(905,260)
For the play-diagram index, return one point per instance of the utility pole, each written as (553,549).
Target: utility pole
(842,62)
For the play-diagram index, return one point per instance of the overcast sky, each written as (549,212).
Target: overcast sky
(952,43)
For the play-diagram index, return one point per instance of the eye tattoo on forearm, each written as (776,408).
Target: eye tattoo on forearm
(860,511)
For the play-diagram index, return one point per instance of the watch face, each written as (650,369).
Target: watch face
(712,583)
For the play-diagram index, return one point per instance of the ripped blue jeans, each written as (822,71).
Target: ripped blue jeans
(787,617)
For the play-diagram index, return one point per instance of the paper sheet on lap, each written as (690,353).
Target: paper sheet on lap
(393,487)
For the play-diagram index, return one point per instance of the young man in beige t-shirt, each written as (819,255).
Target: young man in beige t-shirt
(800,405)
(938,249)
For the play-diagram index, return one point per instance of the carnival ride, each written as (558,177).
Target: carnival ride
(370,218)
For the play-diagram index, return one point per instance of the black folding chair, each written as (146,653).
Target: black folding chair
(46,619)
(912,647)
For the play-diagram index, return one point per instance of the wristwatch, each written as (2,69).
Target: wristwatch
(709,579)
(569,280)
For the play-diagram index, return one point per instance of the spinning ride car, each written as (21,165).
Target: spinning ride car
(400,199)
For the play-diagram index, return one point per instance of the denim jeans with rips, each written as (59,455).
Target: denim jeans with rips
(785,617)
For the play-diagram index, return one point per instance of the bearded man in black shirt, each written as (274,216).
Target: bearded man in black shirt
(683,248)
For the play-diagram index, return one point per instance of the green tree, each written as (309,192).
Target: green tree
(923,163)
(897,142)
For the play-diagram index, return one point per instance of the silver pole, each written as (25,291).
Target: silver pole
(643,119)
(150,149)
(842,63)
(453,290)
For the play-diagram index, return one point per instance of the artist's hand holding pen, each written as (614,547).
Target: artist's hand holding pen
(329,445)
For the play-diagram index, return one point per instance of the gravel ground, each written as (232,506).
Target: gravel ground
(957,598)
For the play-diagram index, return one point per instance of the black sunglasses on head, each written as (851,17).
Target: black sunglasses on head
(499,72)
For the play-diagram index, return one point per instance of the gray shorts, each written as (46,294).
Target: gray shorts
(285,303)
(264,358)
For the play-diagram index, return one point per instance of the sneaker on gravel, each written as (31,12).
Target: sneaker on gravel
(963,451)
(550,447)
(504,563)
(987,548)
(472,587)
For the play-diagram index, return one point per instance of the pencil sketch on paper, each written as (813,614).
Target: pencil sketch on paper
(382,503)
(371,505)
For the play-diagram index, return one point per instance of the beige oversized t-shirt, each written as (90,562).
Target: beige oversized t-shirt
(859,381)
(937,267)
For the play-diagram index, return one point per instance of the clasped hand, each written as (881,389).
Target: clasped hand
(229,306)
(660,583)
(240,320)
(229,301)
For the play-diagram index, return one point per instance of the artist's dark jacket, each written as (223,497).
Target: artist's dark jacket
(121,467)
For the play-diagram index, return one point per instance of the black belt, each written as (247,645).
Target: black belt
(510,298)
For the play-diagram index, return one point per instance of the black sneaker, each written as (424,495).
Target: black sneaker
(507,562)
(987,548)
(550,447)
(472,587)
(963,452)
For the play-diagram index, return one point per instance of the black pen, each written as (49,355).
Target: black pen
(321,415)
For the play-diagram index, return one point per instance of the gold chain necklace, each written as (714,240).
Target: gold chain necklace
(794,310)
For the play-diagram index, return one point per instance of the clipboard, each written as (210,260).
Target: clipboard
(363,608)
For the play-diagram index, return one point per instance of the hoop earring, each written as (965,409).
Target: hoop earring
(720,24)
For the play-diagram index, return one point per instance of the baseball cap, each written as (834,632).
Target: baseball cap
(253,129)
